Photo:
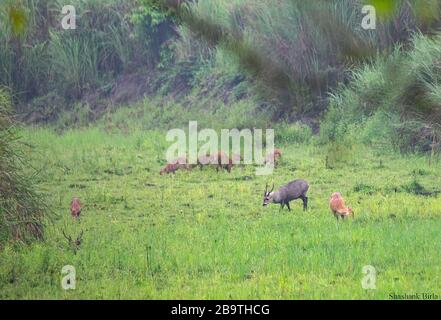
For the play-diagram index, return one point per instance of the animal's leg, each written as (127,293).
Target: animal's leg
(305,202)
(289,208)
(282,205)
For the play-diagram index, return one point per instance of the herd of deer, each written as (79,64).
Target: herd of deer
(219,160)
(294,190)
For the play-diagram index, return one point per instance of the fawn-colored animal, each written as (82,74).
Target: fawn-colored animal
(75,207)
(273,157)
(338,207)
(296,189)
(169,168)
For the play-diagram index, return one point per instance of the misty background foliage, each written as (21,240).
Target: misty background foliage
(288,59)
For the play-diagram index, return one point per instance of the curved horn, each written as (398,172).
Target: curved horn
(272,188)
(68,238)
(266,187)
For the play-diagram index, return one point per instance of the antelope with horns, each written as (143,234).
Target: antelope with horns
(338,207)
(74,244)
(296,189)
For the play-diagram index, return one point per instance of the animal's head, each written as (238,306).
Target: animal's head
(75,207)
(166,169)
(351,212)
(180,160)
(267,195)
(336,195)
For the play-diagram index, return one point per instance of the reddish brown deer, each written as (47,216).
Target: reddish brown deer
(204,160)
(75,207)
(183,163)
(218,159)
(338,207)
(223,162)
(273,157)
(169,168)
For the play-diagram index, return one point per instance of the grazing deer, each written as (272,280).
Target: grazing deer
(338,207)
(223,161)
(273,157)
(182,163)
(219,159)
(75,207)
(296,189)
(169,168)
(203,160)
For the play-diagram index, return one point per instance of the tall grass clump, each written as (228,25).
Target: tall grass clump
(22,208)
(394,99)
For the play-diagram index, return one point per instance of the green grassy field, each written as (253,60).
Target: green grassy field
(205,235)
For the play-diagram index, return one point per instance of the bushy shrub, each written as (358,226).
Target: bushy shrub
(393,100)
(22,209)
